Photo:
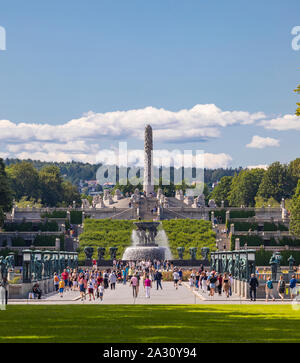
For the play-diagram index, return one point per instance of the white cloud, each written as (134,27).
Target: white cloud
(259,142)
(201,122)
(284,123)
(175,158)
(261,166)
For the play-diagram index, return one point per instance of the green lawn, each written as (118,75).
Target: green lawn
(150,323)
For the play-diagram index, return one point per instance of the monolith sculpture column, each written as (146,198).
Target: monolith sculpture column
(148,154)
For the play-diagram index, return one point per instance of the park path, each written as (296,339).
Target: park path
(169,295)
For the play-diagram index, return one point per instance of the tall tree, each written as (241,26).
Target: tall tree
(295,213)
(5,193)
(244,187)
(294,169)
(6,197)
(221,191)
(297,90)
(24,180)
(70,194)
(277,182)
(51,185)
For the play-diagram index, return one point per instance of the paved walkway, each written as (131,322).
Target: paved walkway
(169,295)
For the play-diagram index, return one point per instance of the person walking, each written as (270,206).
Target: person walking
(134,283)
(269,289)
(176,278)
(91,284)
(112,280)
(180,273)
(253,283)
(101,291)
(219,284)
(293,288)
(212,284)
(3,292)
(61,287)
(281,287)
(226,285)
(148,285)
(82,287)
(65,277)
(157,278)
(56,281)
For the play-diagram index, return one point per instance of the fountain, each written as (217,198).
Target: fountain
(144,246)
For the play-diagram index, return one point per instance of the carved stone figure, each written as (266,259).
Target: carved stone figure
(205,252)
(193,251)
(88,252)
(118,194)
(85,204)
(291,262)
(180,251)
(106,194)
(179,195)
(100,252)
(113,252)
(199,201)
(275,263)
(212,203)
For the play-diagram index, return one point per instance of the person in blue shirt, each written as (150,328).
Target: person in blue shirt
(269,289)
(293,287)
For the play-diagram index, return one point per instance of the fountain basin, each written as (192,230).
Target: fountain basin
(144,253)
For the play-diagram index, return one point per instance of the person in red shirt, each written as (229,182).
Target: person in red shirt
(65,277)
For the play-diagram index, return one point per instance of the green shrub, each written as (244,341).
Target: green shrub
(55,214)
(241,214)
(31,227)
(262,257)
(219,214)
(105,233)
(19,242)
(75,217)
(189,233)
(245,226)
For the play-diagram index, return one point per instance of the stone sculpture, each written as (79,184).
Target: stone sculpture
(88,252)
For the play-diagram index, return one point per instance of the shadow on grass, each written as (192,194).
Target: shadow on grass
(150,323)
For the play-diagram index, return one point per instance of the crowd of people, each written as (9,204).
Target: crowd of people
(93,282)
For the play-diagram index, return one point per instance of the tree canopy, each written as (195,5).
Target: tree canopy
(244,187)
(297,90)
(221,191)
(277,182)
(295,213)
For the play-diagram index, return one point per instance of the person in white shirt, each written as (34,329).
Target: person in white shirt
(176,278)
(101,291)
(112,280)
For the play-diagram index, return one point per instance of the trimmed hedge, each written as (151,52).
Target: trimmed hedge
(219,214)
(105,233)
(75,217)
(39,241)
(242,214)
(258,241)
(189,233)
(262,257)
(31,227)
(55,214)
(254,226)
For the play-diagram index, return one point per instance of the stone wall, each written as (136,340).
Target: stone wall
(21,291)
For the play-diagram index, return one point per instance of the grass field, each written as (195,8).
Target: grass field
(150,323)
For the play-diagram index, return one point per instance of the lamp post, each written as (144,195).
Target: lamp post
(26,266)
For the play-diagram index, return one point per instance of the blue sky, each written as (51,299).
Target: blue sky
(151,59)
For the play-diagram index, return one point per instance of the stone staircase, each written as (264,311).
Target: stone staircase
(221,237)
(146,205)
